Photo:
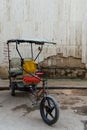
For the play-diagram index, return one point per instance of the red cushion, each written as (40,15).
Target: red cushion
(31,79)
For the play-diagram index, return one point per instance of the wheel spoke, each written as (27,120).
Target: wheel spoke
(46,114)
(52,108)
(51,115)
(48,102)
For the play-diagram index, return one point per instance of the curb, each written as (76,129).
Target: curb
(53,87)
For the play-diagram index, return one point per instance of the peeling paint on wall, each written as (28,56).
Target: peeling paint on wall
(59,61)
(63,67)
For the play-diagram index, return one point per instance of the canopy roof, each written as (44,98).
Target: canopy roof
(36,41)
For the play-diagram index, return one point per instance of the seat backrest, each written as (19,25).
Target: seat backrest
(29,66)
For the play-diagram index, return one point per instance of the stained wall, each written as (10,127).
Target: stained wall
(60,21)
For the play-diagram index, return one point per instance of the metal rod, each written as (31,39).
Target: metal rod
(8,55)
(19,53)
(31,51)
(39,52)
(9,62)
(18,50)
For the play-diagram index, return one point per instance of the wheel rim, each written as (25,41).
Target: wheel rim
(49,109)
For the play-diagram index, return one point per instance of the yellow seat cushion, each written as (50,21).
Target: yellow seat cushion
(29,66)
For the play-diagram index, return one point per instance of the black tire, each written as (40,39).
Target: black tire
(12,89)
(48,107)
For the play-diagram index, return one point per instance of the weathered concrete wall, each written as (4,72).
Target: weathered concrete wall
(59,66)
(61,21)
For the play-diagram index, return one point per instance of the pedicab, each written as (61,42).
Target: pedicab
(31,77)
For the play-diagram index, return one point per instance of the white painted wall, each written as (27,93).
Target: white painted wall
(61,21)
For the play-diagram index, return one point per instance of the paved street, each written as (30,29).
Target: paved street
(17,113)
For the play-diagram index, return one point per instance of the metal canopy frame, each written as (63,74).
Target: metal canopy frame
(30,41)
